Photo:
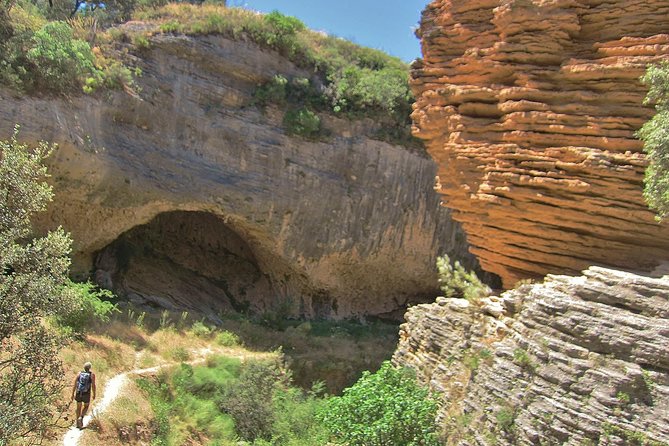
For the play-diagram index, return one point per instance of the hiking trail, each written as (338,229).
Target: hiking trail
(113,388)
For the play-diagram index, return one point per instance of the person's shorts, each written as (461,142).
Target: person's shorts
(82,397)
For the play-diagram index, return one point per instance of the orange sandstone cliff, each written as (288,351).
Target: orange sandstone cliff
(530,108)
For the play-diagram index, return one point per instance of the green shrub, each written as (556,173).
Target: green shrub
(200,330)
(457,282)
(505,418)
(91,305)
(655,135)
(295,421)
(302,122)
(522,358)
(250,401)
(388,407)
(227,339)
(60,62)
(272,92)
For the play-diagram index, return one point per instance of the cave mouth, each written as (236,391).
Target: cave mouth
(183,260)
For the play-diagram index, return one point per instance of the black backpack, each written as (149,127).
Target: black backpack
(84,382)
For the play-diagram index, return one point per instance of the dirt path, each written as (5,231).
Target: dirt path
(113,388)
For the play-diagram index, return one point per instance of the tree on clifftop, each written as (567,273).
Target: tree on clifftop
(655,135)
(32,273)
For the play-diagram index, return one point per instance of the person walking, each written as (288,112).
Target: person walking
(84,386)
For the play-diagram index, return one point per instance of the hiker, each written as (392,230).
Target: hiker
(84,383)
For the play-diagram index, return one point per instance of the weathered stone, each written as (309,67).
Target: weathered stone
(572,367)
(348,225)
(530,109)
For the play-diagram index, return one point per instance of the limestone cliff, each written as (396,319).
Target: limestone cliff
(530,109)
(571,361)
(186,195)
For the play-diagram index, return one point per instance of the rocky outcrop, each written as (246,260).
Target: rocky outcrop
(571,361)
(220,206)
(530,109)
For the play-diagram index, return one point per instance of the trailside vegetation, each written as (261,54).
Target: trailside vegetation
(655,135)
(385,408)
(33,270)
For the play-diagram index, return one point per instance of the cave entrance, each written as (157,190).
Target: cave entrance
(184,261)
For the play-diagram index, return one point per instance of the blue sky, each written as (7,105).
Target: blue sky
(385,25)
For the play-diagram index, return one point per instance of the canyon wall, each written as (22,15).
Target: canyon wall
(530,109)
(571,361)
(159,186)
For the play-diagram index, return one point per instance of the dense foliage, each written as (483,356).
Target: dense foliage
(227,400)
(387,408)
(456,281)
(38,55)
(88,306)
(655,134)
(33,272)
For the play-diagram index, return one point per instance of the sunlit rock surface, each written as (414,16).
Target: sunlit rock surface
(572,361)
(530,109)
(183,194)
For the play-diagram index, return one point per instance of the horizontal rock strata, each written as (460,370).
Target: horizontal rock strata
(347,225)
(530,109)
(571,361)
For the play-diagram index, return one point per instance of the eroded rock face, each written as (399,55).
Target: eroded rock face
(530,108)
(571,361)
(344,226)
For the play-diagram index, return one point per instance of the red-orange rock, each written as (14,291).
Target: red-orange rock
(530,108)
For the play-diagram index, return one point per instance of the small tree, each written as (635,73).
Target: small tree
(456,281)
(655,135)
(387,408)
(32,272)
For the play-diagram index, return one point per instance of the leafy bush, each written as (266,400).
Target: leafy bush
(457,282)
(227,339)
(200,330)
(90,305)
(33,272)
(302,122)
(505,418)
(273,91)
(249,401)
(655,134)
(60,62)
(386,408)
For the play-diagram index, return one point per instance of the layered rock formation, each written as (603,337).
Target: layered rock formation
(571,361)
(530,109)
(219,206)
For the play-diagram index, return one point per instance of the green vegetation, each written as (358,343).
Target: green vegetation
(631,437)
(302,122)
(522,358)
(457,282)
(381,409)
(227,400)
(655,135)
(69,48)
(348,79)
(90,305)
(33,271)
(505,417)
(41,56)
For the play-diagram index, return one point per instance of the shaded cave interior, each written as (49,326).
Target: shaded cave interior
(194,261)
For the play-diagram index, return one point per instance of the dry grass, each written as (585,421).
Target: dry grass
(129,420)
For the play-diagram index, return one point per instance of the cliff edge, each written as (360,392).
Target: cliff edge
(530,109)
(571,361)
